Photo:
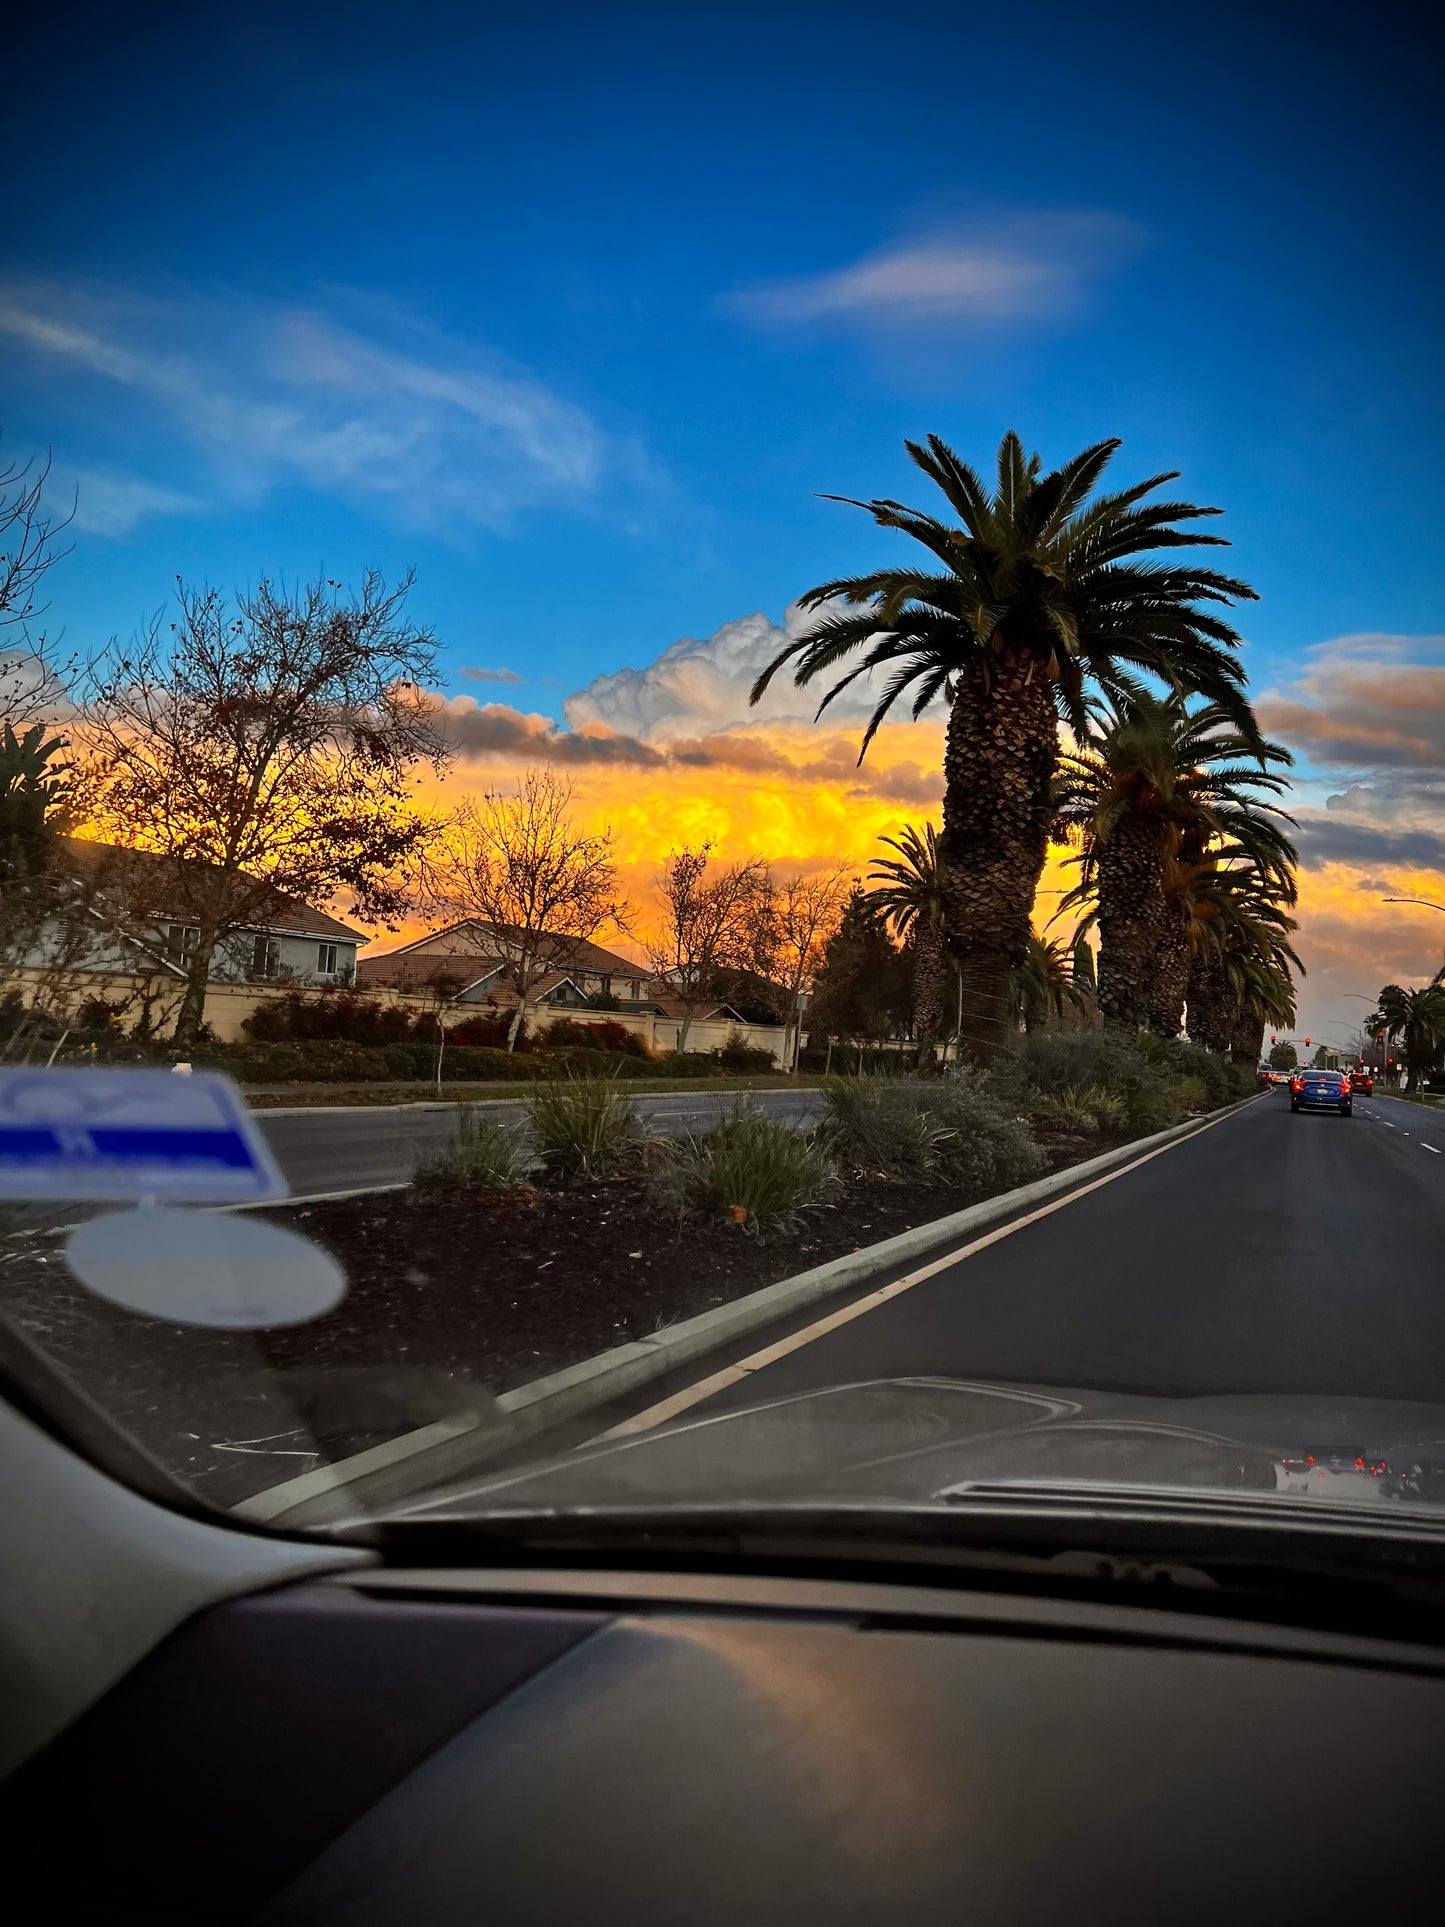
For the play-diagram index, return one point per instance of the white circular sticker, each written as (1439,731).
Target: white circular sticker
(205,1268)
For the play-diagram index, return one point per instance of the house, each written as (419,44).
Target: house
(152,899)
(124,941)
(469,963)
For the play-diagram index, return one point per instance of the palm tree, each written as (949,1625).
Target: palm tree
(910,896)
(1241,957)
(1154,785)
(33,794)
(1417,1019)
(1044,985)
(1041,597)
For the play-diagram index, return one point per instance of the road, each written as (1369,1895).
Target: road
(1270,1253)
(351,1147)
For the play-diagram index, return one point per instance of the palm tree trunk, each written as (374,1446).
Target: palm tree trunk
(1246,1044)
(998,769)
(929,973)
(1171,980)
(1131,920)
(1205,1002)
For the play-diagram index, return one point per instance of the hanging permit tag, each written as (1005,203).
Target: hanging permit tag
(129,1134)
(205,1268)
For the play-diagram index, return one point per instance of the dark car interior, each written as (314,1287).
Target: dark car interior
(701,1721)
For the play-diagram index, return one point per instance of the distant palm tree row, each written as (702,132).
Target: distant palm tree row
(1048,601)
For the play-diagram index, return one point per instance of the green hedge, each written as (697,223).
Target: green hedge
(334,1061)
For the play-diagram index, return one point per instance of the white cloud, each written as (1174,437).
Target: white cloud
(441,434)
(697,686)
(113,504)
(1008,270)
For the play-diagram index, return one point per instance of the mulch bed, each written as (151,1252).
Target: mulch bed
(458,1292)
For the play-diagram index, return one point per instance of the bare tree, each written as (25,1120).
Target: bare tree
(805,913)
(270,746)
(712,924)
(532,885)
(32,682)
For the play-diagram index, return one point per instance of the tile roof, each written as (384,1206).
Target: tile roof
(570,953)
(157,878)
(407,970)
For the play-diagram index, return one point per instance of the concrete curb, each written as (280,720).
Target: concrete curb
(312,1499)
(518,1094)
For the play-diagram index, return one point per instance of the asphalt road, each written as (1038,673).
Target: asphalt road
(348,1148)
(1271,1253)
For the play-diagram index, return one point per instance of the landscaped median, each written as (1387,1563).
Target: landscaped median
(537,1269)
(446,1448)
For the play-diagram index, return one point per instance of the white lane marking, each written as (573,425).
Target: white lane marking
(1429,1147)
(690,1395)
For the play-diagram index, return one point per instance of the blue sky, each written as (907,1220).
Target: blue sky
(578,313)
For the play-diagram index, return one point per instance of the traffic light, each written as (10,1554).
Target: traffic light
(1307,1043)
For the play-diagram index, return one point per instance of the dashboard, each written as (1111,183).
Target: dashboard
(382,1747)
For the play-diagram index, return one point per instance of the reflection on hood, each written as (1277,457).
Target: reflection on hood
(919,1440)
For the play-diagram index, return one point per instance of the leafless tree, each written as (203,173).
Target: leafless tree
(804,913)
(32,682)
(713,924)
(270,745)
(532,886)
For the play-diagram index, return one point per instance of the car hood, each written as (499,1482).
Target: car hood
(917,1440)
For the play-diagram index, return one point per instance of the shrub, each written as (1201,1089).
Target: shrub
(750,1170)
(1224,1081)
(483,1156)
(1190,1094)
(948,1130)
(1042,1071)
(687,1063)
(738,1056)
(1085,1111)
(605,1035)
(327,1016)
(886,1125)
(583,1127)
(487,1028)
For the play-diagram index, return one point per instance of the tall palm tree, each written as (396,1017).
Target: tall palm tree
(1417,1019)
(1151,789)
(1241,954)
(1042,595)
(910,896)
(1044,985)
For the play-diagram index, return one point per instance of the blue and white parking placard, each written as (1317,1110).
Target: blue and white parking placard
(92,1134)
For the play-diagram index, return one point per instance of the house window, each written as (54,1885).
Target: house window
(326,959)
(181,940)
(605,985)
(634,989)
(265,956)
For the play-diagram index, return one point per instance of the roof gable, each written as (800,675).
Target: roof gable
(164,887)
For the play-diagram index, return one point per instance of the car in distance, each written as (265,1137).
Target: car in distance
(1321,1091)
(1362,1082)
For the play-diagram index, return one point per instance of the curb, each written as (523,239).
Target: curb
(597,1381)
(518,1094)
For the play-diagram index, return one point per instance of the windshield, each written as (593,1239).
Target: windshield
(707,800)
